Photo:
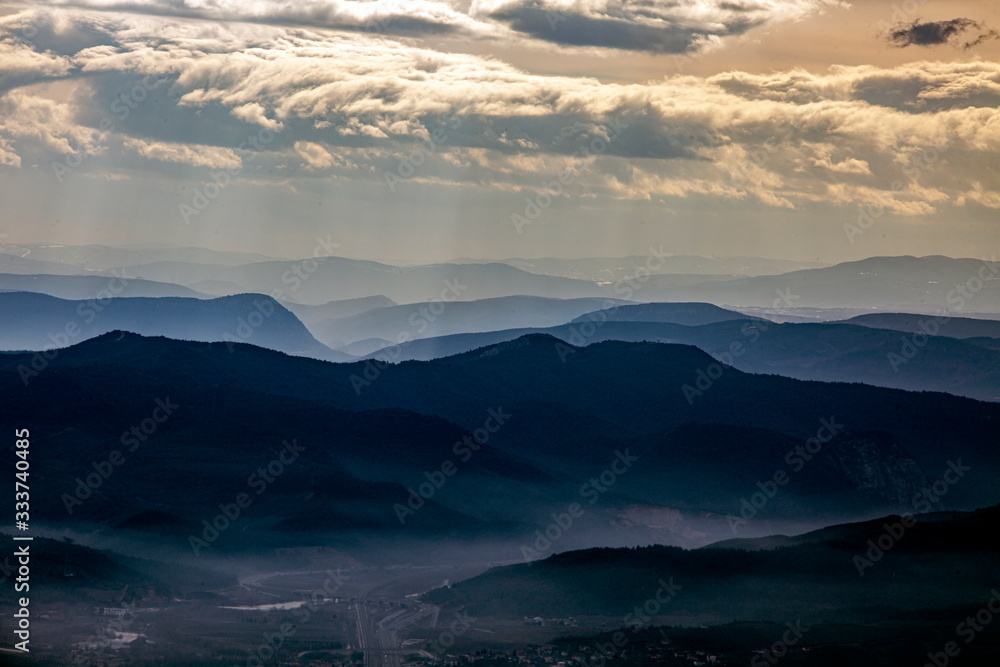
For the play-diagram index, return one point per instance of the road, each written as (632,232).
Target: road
(378,640)
(383,599)
(367,637)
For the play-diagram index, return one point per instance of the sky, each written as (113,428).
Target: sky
(427,130)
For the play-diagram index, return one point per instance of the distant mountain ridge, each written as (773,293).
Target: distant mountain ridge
(435,318)
(933,325)
(102,257)
(688,314)
(603,269)
(18,265)
(36,321)
(829,352)
(86,287)
(320,280)
(901,284)
(337,309)
(888,283)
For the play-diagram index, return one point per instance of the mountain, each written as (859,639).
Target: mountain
(35,321)
(697,467)
(327,279)
(921,284)
(337,309)
(432,346)
(78,574)
(939,325)
(427,349)
(845,353)
(201,441)
(689,314)
(102,258)
(15,264)
(914,284)
(423,320)
(954,522)
(218,287)
(577,394)
(605,269)
(828,352)
(983,341)
(92,286)
(568,411)
(945,562)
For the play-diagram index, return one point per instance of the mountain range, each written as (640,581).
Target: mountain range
(830,352)
(319,280)
(927,285)
(376,328)
(567,413)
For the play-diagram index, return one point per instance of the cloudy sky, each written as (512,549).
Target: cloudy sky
(426,130)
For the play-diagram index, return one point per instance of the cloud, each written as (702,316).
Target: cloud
(354,106)
(639,25)
(33,125)
(847,166)
(679,26)
(22,66)
(314,155)
(403,17)
(916,87)
(7,154)
(933,33)
(987,198)
(212,157)
(254,113)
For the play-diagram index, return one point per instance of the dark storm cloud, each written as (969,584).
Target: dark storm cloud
(960,32)
(576,30)
(627,28)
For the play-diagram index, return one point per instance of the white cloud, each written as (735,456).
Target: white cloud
(314,155)
(254,113)
(34,123)
(212,157)
(7,154)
